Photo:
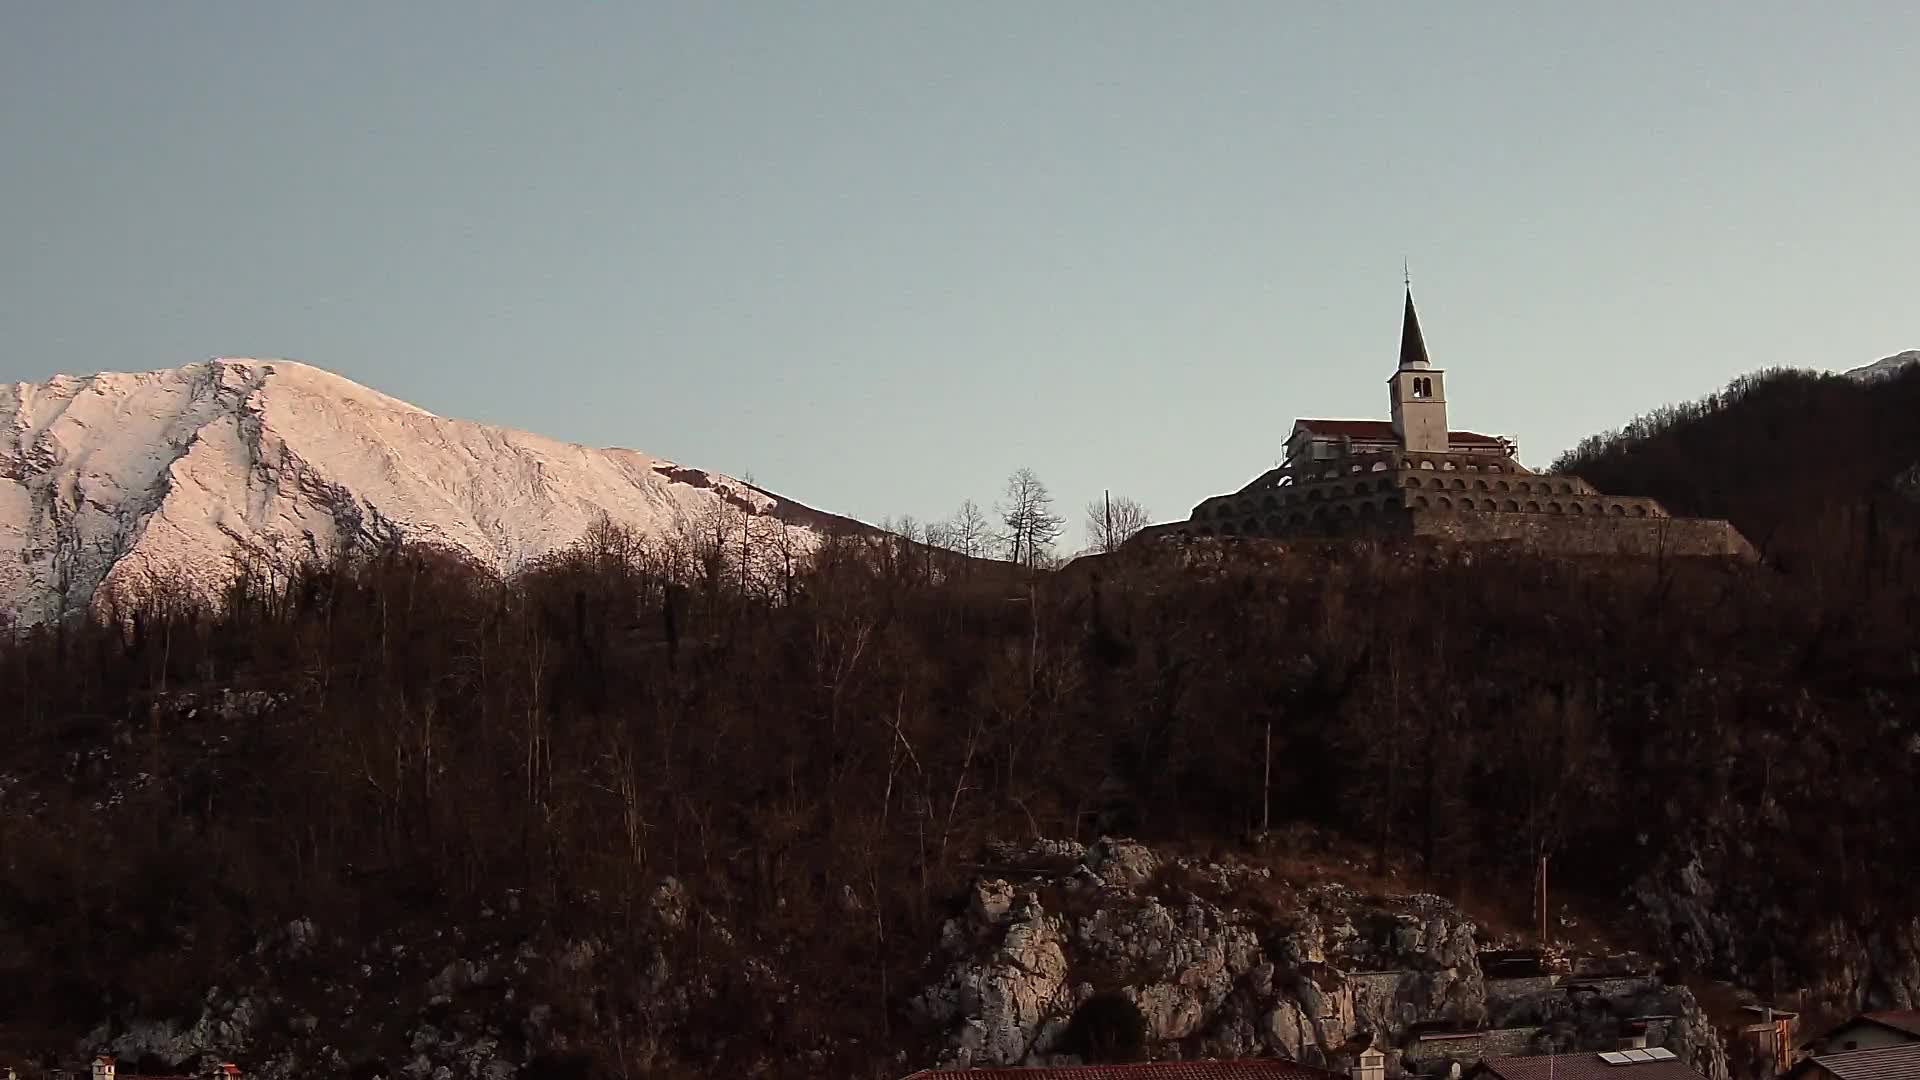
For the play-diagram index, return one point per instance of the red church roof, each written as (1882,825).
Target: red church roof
(1244,1069)
(1382,431)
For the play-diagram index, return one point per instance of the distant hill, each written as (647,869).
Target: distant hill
(1803,463)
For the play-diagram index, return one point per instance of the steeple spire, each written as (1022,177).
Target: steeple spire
(1413,347)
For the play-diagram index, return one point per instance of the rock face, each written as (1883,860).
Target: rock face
(1225,961)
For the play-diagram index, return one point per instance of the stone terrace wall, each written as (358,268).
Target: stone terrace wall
(1586,535)
(1468,1047)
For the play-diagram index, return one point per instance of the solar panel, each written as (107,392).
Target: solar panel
(1660,1053)
(1614,1057)
(1637,1056)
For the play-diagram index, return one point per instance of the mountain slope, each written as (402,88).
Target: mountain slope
(112,481)
(1888,367)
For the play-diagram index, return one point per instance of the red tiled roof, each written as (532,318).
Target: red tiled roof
(1582,1066)
(1244,1069)
(1382,431)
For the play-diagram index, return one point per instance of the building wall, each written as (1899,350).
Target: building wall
(1588,535)
(1471,1047)
(1463,497)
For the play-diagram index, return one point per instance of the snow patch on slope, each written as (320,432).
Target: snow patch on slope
(116,480)
(1881,369)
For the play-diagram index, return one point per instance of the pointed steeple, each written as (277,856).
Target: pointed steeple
(1413,347)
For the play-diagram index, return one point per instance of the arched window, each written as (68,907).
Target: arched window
(1444,503)
(1532,507)
(1385,484)
(1501,484)
(1380,465)
(1427,465)
(1481,484)
(1459,484)
(1338,492)
(1576,508)
(1617,510)
(1511,507)
(1640,511)
(1420,502)
(1487,504)
(1367,509)
(1554,508)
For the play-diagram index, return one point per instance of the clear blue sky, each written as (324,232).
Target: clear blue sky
(880,254)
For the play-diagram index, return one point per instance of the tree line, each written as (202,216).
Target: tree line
(1024,529)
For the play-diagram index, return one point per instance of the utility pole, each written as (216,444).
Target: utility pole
(1106,538)
(1541,898)
(1266,785)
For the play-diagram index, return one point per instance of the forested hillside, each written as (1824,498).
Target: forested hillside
(398,743)
(1807,465)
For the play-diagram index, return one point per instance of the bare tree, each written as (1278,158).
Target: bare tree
(968,531)
(1029,524)
(1113,521)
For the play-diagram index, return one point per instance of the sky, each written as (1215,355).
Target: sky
(877,255)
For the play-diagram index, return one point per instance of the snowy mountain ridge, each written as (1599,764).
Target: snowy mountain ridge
(111,481)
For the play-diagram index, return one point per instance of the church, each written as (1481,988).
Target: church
(1414,475)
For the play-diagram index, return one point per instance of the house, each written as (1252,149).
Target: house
(1652,1063)
(1370,1066)
(1868,1031)
(1897,1061)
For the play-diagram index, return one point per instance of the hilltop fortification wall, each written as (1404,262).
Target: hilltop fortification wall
(1589,535)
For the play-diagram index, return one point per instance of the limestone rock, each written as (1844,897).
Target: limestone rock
(1122,863)
(1001,1001)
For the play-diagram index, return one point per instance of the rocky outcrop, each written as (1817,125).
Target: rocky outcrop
(1226,961)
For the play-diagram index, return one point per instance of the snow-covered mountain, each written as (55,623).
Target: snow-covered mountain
(113,480)
(1881,369)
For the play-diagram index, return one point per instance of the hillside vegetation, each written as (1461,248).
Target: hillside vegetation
(1807,465)
(817,759)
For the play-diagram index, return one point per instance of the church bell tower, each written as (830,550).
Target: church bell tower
(1419,392)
